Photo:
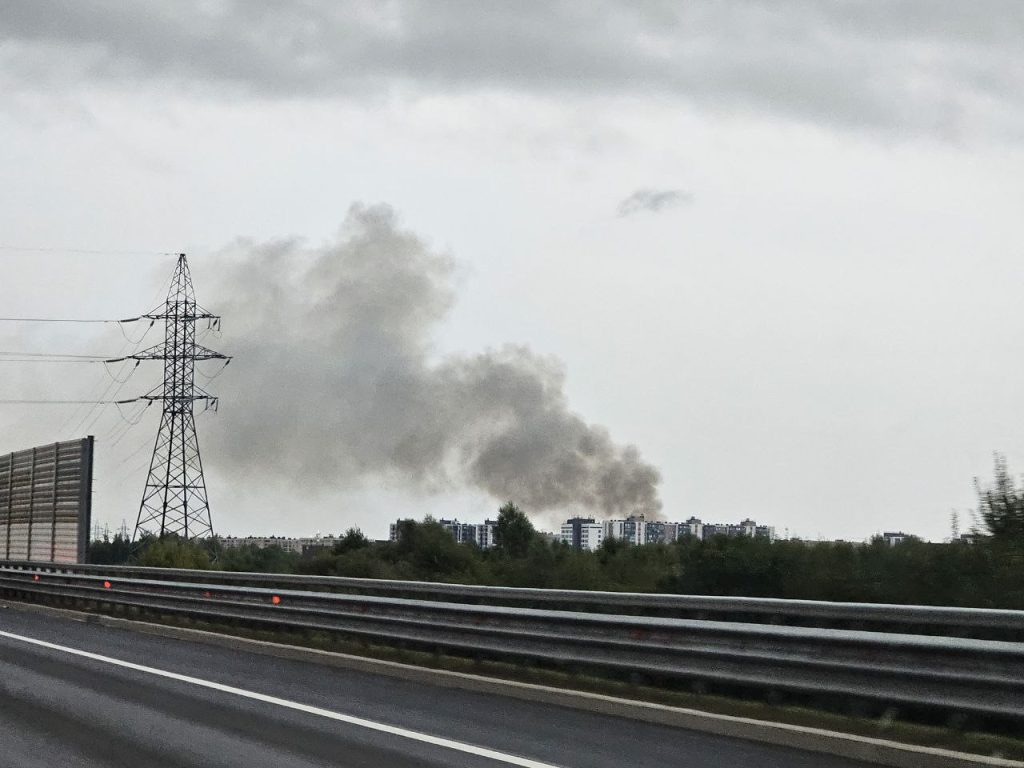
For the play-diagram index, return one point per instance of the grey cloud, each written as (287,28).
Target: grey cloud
(653,200)
(940,66)
(335,382)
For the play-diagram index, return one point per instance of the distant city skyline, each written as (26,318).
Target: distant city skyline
(780,533)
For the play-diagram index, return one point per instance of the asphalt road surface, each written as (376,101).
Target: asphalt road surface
(77,694)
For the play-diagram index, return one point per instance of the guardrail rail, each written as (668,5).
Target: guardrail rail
(947,666)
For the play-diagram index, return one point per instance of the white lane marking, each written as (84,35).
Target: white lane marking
(287,704)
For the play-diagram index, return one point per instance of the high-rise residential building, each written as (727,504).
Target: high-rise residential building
(660,532)
(582,533)
(395,529)
(892,538)
(692,527)
(746,528)
(481,534)
(308,545)
(633,529)
(464,533)
(485,534)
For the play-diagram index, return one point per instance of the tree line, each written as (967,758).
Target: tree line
(985,571)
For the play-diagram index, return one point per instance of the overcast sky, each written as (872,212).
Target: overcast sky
(725,260)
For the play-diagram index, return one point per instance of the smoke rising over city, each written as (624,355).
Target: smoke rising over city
(776,245)
(336,382)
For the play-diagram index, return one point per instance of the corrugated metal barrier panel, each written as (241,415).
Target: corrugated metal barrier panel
(46,502)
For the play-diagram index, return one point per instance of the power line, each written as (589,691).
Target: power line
(108,393)
(174,498)
(122,473)
(54,354)
(88,251)
(77,417)
(106,366)
(38,360)
(71,402)
(128,430)
(116,385)
(68,320)
(56,357)
(210,377)
(121,326)
(123,427)
(47,357)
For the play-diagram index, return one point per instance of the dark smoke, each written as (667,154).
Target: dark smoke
(334,382)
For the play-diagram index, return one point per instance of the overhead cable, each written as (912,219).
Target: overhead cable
(67,320)
(70,402)
(89,251)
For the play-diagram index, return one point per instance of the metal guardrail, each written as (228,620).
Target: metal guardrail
(885,669)
(980,623)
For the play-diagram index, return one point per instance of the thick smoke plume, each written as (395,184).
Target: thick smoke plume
(335,382)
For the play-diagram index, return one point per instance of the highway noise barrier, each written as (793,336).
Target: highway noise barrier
(46,501)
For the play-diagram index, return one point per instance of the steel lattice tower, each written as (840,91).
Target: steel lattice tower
(175,501)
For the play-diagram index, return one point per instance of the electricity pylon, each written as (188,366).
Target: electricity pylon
(175,501)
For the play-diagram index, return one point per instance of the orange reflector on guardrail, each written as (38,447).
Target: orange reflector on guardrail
(275,600)
(106,585)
